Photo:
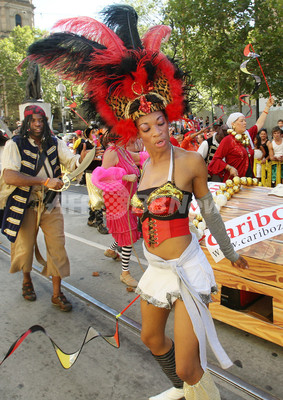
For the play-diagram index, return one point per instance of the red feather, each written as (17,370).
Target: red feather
(93,30)
(155,36)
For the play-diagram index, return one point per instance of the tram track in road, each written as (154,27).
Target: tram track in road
(225,379)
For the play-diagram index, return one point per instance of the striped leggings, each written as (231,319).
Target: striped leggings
(126,254)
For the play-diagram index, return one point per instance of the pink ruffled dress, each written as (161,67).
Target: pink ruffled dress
(117,195)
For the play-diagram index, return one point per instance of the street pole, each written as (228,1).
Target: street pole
(61,89)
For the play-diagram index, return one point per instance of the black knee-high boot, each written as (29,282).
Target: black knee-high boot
(168,365)
(99,222)
(91,217)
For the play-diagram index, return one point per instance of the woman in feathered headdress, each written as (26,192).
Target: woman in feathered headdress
(137,91)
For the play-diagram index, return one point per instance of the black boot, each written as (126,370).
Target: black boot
(91,221)
(99,222)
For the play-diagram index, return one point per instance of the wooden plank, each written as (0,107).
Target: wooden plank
(264,317)
(259,270)
(247,323)
(237,282)
(278,316)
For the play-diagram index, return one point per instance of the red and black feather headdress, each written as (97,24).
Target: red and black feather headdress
(124,76)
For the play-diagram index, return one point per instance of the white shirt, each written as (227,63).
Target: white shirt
(11,159)
(203,148)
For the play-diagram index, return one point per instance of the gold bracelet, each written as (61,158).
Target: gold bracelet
(46,182)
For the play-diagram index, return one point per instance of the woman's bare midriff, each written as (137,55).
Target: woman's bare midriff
(171,248)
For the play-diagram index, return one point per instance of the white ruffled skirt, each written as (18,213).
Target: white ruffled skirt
(190,278)
(160,285)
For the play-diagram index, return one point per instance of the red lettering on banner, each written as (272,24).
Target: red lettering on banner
(210,241)
(230,233)
(275,214)
(250,223)
(240,228)
(259,218)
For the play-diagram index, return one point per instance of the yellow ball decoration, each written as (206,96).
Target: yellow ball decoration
(195,222)
(236,180)
(238,137)
(229,183)
(198,217)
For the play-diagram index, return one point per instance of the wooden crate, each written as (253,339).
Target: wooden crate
(264,318)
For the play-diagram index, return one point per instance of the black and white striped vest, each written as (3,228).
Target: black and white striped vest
(17,202)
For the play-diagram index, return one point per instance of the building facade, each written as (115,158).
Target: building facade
(15,13)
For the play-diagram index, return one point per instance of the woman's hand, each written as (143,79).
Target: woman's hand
(232,170)
(241,263)
(270,102)
(130,178)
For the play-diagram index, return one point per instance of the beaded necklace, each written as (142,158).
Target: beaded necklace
(240,137)
(127,157)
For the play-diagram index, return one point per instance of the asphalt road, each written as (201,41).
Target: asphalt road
(101,371)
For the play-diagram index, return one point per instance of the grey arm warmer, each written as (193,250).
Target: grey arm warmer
(216,226)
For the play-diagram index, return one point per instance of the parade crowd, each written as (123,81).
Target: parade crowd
(152,156)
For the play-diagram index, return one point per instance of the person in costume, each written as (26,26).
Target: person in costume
(3,140)
(190,142)
(209,146)
(234,156)
(118,177)
(96,203)
(30,166)
(138,91)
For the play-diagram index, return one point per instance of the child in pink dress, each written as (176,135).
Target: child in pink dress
(117,177)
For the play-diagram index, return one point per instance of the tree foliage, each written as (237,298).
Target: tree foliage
(211,36)
(12,85)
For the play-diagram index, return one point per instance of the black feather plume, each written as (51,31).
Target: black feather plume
(123,19)
(66,53)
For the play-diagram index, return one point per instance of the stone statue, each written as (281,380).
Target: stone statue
(33,84)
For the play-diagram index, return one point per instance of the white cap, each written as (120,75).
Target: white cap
(233,117)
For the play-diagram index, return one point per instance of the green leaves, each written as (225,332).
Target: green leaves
(12,85)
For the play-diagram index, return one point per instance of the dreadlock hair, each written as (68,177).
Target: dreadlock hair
(47,134)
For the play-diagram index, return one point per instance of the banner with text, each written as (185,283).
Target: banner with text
(248,229)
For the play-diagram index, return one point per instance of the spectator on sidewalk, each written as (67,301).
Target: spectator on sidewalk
(276,152)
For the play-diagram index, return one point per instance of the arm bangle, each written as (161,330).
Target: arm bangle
(46,182)
(265,112)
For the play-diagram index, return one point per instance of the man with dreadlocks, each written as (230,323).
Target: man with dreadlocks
(31,166)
